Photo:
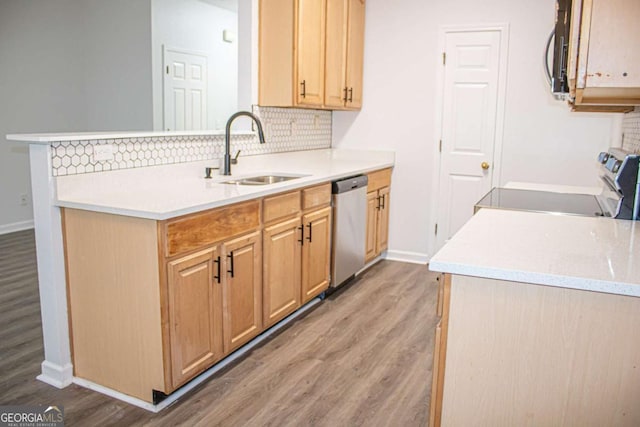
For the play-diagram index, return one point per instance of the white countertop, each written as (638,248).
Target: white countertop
(162,192)
(587,253)
(47,138)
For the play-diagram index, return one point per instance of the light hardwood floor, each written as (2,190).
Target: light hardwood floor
(362,357)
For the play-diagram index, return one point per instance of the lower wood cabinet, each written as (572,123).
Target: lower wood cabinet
(242,290)
(296,250)
(378,199)
(214,304)
(155,303)
(316,253)
(281,278)
(195,313)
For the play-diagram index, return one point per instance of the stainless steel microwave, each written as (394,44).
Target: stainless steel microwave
(559,38)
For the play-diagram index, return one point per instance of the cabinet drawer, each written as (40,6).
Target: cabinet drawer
(281,206)
(194,231)
(319,195)
(379,179)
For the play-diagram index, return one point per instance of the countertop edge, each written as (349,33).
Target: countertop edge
(537,278)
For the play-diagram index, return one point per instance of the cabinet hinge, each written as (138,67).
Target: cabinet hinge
(436,229)
(444,58)
(167,69)
(440,146)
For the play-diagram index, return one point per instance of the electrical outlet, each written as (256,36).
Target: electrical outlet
(316,121)
(293,128)
(24,199)
(102,152)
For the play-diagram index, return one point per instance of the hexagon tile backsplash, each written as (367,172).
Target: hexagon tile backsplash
(286,129)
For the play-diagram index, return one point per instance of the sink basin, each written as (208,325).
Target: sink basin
(262,179)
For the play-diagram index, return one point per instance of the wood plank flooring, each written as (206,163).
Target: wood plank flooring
(362,357)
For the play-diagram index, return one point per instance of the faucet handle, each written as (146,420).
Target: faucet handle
(234,161)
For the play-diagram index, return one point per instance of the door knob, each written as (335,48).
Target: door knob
(485,165)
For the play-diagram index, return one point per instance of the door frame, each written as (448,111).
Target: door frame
(496,169)
(169,48)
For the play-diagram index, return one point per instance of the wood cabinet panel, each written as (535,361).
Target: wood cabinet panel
(242,290)
(276,57)
(316,253)
(195,314)
(114,301)
(355,54)
(281,264)
(310,43)
(197,230)
(379,179)
(372,225)
(382,238)
(603,64)
(522,354)
(335,93)
(440,352)
(317,196)
(281,206)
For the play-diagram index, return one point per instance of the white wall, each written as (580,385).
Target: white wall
(38,91)
(541,137)
(117,64)
(195,25)
(68,65)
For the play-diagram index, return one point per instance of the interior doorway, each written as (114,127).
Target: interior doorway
(471,108)
(185,90)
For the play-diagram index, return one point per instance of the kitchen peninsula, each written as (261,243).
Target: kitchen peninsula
(540,319)
(119,245)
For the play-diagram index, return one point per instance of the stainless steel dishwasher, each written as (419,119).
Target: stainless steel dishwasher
(349,228)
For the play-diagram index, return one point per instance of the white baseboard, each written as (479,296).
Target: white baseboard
(405,256)
(56,375)
(16,226)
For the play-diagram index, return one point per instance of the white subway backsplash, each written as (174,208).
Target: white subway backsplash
(286,129)
(631,131)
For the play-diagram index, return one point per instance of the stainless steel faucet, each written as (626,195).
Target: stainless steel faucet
(226,170)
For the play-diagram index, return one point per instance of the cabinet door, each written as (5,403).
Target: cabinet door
(195,314)
(310,43)
(316,253)
(281,278)
(372,225)
(242,290)
(355,53)
(335,90)
(382,237)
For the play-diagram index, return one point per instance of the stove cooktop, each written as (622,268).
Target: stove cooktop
(541,201)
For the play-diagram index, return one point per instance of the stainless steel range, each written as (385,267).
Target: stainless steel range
(620,197)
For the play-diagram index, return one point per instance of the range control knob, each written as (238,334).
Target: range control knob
(603,157)
(616,166)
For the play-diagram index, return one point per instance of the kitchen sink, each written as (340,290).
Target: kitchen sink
(262,179)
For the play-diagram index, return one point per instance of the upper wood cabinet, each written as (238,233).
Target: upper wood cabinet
(604,59)
(311,53)
(344,57)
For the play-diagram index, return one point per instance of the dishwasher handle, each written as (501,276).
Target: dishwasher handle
(349,184)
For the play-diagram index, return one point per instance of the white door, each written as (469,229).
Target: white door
(472,99)
(185,90)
